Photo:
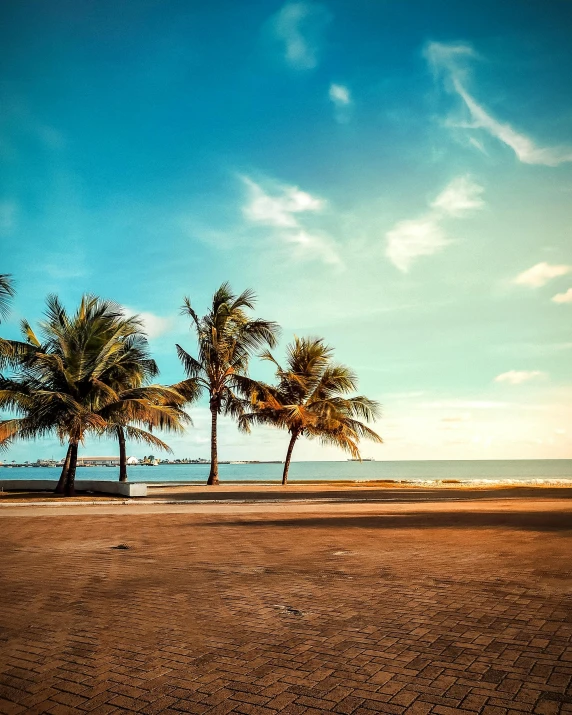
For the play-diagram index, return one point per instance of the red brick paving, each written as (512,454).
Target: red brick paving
(272,614)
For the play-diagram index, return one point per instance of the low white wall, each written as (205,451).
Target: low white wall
(126,489)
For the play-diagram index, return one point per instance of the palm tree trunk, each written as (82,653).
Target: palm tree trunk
(213,474)
(122,455)
(293,439)
(70,482)
(60,488)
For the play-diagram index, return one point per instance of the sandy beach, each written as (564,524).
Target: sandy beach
(419,602)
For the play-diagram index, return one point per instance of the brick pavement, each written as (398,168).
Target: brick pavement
(264,615)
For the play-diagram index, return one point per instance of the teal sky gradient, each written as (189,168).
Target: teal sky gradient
(395,177)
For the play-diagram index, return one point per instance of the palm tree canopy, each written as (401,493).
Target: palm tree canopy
(80,373)
(226,336)
(312,398)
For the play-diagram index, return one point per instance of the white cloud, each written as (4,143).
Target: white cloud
(563,297)
(341,97)
(339,94)
(154,325)
(299,26)
(517,377)
(410,239)
(460,196)
(449,59)
(541,274)
(286,209)
(441,55)
(424,236)
(316,246)
(278,210)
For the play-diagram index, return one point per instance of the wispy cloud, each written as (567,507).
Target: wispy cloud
(286,209)
(341,98)
(540,274)
(424,236)
(300,27)
(62,265)
(281,209)
(154,325)
(517,377)
(563,297)
(409,240)
(450,61)
(461,196)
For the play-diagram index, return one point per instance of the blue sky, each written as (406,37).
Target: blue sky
(395,177)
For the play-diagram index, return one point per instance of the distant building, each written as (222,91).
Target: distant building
(98,461)
(132,461)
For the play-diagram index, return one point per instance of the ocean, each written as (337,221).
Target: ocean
(529,470)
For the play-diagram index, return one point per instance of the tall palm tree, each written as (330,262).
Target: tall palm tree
(226,336)
(310,400)
(64,382)
(7,292)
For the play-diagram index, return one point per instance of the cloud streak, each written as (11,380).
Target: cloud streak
(286,209)
(540,274)
(517,377)
(341,98)
(449,61)
(278,210)
(299,27)
(563,297)
(424,236)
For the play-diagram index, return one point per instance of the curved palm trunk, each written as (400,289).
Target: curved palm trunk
(213,474)
(122,455)
(70,482)
(60,488)
(293,439)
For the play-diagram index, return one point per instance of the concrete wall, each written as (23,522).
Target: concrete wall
(126,489)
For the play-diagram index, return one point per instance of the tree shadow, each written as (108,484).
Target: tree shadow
(394,494)
(546,521)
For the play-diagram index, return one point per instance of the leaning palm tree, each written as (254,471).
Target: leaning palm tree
(7,292)
(227,336)
(310,400)
(64,381)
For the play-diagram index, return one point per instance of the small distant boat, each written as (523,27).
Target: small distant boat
(368,459)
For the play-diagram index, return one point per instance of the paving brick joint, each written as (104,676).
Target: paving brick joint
(230,615)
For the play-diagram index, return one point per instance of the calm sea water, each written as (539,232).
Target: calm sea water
(502,470)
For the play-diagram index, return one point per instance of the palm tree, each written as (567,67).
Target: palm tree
(65,382)
(139,410)
(7,292)
(226,338)
(140,407)
(310,400)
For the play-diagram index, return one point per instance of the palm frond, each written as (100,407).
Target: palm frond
(191,366)
(141,435)
(7,292)
(311,398)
